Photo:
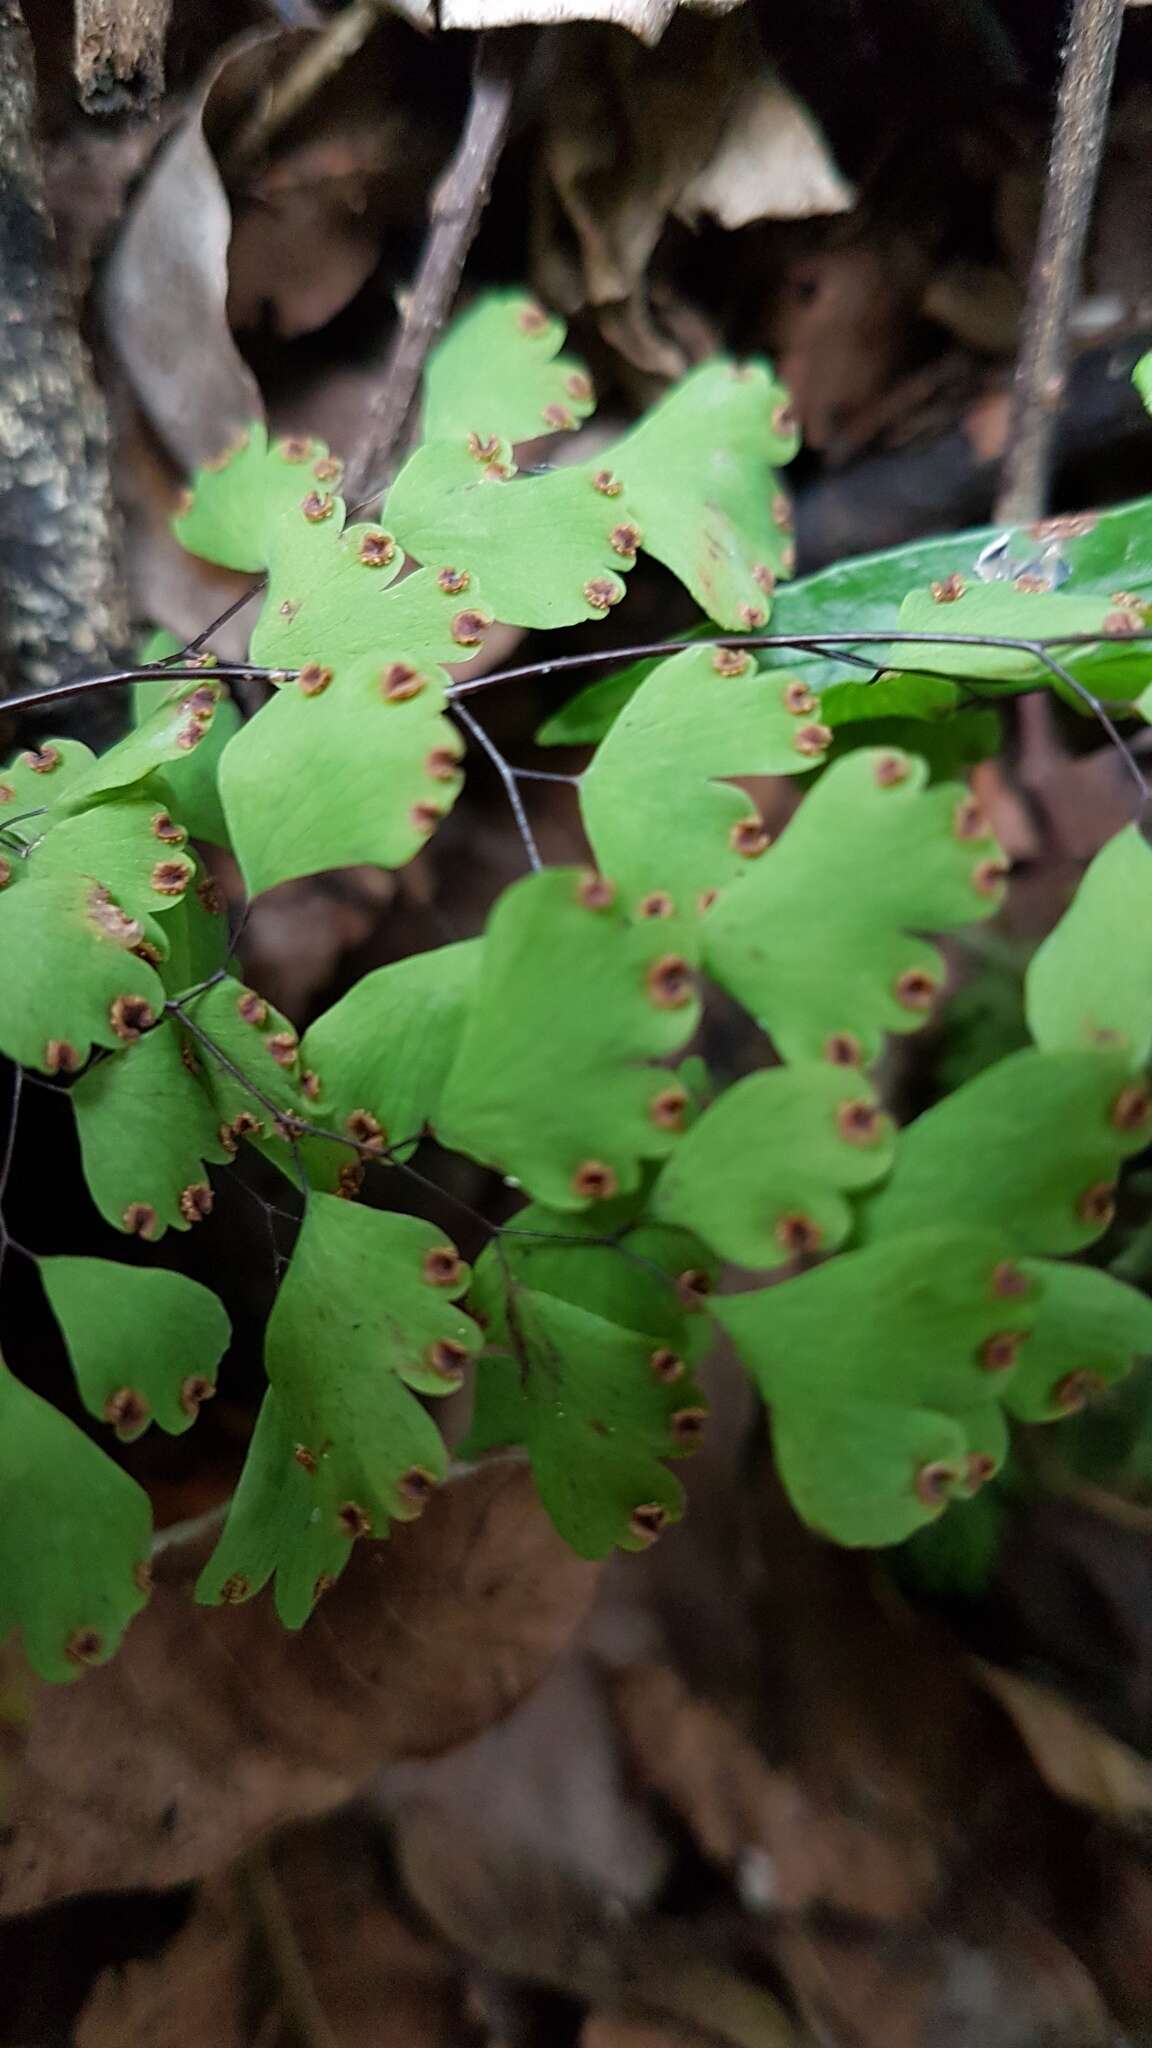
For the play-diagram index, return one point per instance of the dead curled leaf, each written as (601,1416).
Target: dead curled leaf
(698,127)
(166,289)
(214,1725)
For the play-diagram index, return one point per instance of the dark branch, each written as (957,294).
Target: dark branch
(457,205)
(1042,366)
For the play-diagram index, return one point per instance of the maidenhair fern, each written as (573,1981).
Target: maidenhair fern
(919,1304)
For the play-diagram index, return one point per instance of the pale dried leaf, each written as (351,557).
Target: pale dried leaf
(1077,1760)
(771,163)
(214,1725)
(166,290)
(647,19)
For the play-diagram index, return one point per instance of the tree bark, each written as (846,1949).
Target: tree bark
(61,604)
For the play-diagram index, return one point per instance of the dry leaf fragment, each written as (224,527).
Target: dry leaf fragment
(1077,1760)
(214,1725)
(771,163)
(166,289)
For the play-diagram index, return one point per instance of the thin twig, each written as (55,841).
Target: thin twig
(1042,366)
(320,59)
(507,776)
(201,672)
(302,2016)
(457,205)
(9,1156)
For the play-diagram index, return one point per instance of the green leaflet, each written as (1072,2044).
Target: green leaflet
(360,767)
(1116,670)
(1104,551)
(364,1320)
(1090,981)
(884,1370)
(546,550)
(181,722)
(762,1175)
(889,696)
(247,1036)
(281,1519)
(239,499)
(197,935)
(41,776)
(552,1082)
(146,1127)
(333,600)
(130,845)
(656,1283)
(1089,1332)
(74,1538)
(380,1056)
(188,783)
(70,978)
(699,474)
(599,1409)
(1142,379)
(144,1343)
(815,940)
(498,372)
(705,714)
(1031,1148)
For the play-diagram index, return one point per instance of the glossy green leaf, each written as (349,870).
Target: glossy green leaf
(238,500)
(1089,1332)
(883,1372)
(699,474)
(1031,1147)
(1119,669)
(1090,981)
(546,550)
(498,371)
(130,845)
(816,940)
(146,1129)
(599,1414)
(361,770)
(70,978)
(74,1538)
(1142,379)
(553,1083)
(692,722)
(762,1176)
(282,1520)
(365,1319)
(144,1343)
(378,1059)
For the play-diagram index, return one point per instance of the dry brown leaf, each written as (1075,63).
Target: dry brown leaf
(214,1725)
(611,2030)
(631,137)
(166,289)
(192,1993)
(787,1850)
(1077,1760)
